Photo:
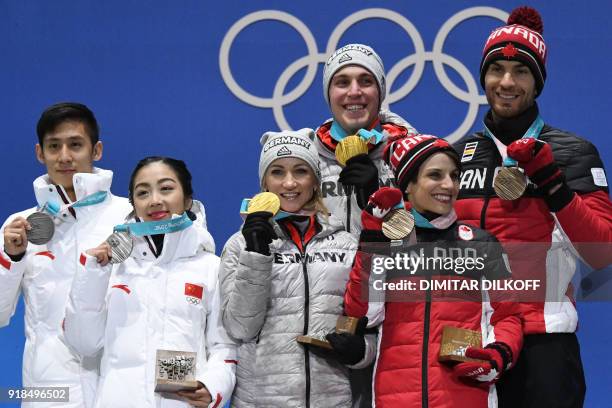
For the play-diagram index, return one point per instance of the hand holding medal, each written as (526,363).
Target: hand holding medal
(38,229)
(536,157)
(257,229)
(359,173)
(102,253)
(15,236)
(385,212)
(510,182)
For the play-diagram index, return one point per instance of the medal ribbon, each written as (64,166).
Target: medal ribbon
(533,132)
(373,136)
(244,206)
(53,208)
(140,229)
(441,222)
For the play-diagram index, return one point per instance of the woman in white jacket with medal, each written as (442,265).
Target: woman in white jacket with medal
(164,296)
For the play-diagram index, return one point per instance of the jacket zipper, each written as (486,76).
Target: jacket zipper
(424,358)
(483,212)
(488,193)
(306,312)
(306,318)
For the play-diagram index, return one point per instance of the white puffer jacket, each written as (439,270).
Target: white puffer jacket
(147,303)
(45,274)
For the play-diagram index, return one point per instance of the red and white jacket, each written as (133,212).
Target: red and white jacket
(542,244)
(131,310)
(44,276)
(410,320)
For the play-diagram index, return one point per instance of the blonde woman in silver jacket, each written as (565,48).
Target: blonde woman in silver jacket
(282,278)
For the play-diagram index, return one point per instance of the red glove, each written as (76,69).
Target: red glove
(488,371)
(379,205)
(536,158)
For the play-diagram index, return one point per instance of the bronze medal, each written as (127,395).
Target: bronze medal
(121,244)
(42,230)
(398,224)
(510,183)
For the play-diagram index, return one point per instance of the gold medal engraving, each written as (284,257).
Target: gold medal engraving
(350,147)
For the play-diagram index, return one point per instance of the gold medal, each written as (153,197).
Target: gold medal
(350,147)
(397,224)
(510,183)
(264,202)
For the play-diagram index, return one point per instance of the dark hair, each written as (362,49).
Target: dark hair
(178,166)
(450,152)
(62,112)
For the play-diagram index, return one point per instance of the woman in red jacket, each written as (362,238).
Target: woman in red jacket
(423,298)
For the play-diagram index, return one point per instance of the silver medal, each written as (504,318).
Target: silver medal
(121,244)
(42,229)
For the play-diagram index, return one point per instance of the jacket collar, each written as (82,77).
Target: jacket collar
(84,185)
(509,130)
(326,227)
(182,244)
(326,145)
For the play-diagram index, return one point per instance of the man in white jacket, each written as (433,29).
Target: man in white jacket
(77,197)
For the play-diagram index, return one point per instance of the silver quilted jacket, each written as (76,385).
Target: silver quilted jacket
(270,300)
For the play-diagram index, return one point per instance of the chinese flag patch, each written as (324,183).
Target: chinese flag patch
(193,290)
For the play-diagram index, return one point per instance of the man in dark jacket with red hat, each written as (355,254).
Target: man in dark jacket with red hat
(543,193)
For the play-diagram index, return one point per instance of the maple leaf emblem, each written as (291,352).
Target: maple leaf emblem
(509,51)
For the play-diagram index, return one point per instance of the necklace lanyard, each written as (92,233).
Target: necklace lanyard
(140,229)
(440,222)
(244,211)
(53,208)
(373,136)
(419,220)
(533,132)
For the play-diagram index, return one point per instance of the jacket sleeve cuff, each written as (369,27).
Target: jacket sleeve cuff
(15,258)
(560,198)
(370,352)
(256,267)
(220,383)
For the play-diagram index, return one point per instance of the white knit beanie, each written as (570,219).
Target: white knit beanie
(289,143)
(355,54)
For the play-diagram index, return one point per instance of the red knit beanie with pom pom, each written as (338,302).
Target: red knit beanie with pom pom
(520,40)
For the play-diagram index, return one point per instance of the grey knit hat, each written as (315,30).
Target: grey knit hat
(289,143)
(355,54)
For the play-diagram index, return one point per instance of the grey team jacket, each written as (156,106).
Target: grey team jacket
(270,300)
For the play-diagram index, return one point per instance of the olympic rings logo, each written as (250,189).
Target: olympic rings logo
(311,61)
